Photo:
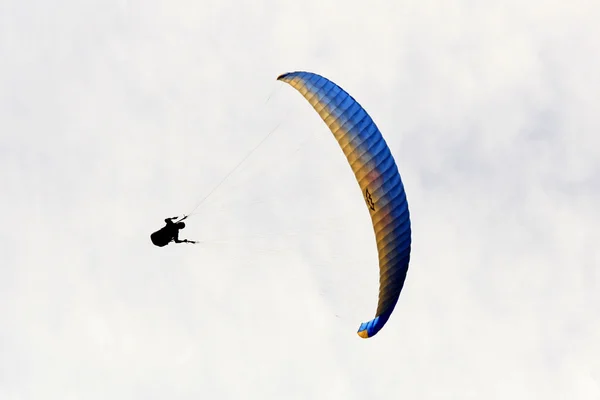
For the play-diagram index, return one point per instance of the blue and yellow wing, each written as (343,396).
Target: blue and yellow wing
(377,174)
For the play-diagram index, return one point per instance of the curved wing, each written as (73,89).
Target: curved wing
(377,174)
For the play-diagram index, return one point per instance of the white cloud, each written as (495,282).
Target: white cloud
(118,114)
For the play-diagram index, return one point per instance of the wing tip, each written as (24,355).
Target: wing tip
(363,333)
(369,329)
(283,76)
(290,75)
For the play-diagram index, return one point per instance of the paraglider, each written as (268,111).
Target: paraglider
(169,233)
(379,180)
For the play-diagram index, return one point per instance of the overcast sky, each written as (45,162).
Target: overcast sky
(116,114)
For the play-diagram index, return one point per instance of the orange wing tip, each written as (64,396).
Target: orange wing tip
(363,334)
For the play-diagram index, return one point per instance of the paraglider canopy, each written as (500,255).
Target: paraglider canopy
(377,175)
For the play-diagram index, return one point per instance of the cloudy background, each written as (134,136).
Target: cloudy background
(117,114)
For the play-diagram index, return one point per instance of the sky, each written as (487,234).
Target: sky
(117,114)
